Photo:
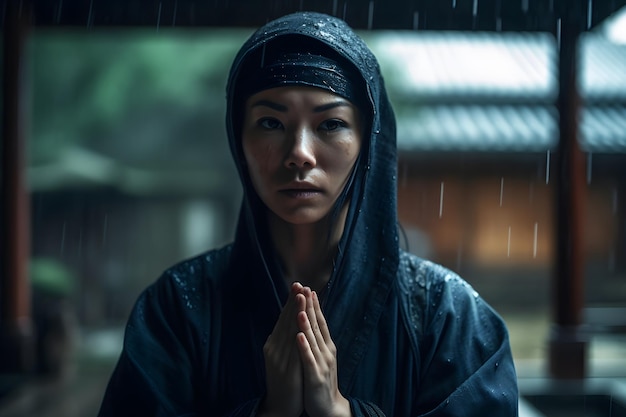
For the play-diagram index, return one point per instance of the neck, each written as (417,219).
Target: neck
(307,251)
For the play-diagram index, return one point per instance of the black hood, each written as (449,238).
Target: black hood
(367,262)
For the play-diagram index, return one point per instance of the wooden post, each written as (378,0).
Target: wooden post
(16,331)
(568,344)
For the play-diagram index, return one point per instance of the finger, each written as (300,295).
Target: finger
(321,320)
(296,288)
(306,353)
(313,319)
(292,305)
(286,326)
(307,331)
(310,309)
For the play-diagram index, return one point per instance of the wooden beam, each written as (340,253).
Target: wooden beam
(567,342)
(484,15)
(16,330)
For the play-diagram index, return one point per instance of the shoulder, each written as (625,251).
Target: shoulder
(439,305)
(431,292)
(415,273)
(208,265)
(190,279)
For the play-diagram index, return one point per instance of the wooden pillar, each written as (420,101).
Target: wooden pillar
(568,344)
(16,331)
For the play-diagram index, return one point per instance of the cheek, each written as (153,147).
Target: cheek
(348,155)
(258,160)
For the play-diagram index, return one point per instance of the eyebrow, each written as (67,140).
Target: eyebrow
(318,109)
(270,104)
(331,105)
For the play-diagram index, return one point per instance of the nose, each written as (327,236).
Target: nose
(301,151)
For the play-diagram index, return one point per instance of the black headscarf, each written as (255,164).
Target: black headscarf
(367,259)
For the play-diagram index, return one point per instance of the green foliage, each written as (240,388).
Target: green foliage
(87,85)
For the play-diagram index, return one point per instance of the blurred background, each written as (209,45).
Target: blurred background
(116,166)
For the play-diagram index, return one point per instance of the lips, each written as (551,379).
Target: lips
(301,190)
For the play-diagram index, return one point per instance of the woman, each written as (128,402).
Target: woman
(314,309)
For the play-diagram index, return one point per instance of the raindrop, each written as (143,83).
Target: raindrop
(508,244)
(104,229)
(551,5)
(535,240)
(174,13)
(525,6)
(612,260)
(558,33)
(301,5)
(334,7)
(416,20)
(454,4)
(441,200)
(501,190)
(405,169)
(370,16)
(80,242)
(345,10)
(589,13)
(63,238)
(90,15)
(58,16)
(589,168)
(263,55)
(498,24)
(497,364)
(475,8)
(159,17)
(547,166)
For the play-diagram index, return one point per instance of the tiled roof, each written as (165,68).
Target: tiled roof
(505,128)
(496,92)
(602,69)
(603,129)
(477,128)
(443,66)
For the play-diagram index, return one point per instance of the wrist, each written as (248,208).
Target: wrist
(342,408)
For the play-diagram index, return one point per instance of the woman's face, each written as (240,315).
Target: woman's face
(300,144)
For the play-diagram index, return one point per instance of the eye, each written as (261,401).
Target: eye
(333,124)
(269,123)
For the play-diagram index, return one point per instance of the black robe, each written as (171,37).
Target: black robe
(413,339)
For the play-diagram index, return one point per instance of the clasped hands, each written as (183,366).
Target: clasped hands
(301,362)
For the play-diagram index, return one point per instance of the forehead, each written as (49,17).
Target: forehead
(296,94)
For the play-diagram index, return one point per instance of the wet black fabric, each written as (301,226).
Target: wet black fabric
(413,339)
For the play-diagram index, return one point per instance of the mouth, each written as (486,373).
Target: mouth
(301,191)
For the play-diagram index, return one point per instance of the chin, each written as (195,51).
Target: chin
(302,217)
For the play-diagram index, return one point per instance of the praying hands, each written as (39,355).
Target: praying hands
(301,362)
